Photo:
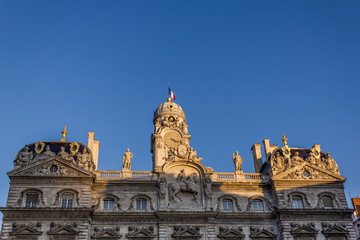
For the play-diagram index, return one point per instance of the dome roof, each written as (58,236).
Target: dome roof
(169,107)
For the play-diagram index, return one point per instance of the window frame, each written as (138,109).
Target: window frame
(67,202)
(299,200)
(331,200)
(261,203)
(225,205)
(106,206)
(141,204)
(31,204)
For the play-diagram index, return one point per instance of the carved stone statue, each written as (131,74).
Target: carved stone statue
(331,164)
(237,161)
(64,155)
(48,153)
(296,160)
(277,163)
(127,159)
(162,187)
(25,156)
(312,159)
(84,159)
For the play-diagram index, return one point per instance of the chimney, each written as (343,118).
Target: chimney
(256,151)
(94,147)
(266,143)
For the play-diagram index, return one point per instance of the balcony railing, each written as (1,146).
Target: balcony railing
(147,175)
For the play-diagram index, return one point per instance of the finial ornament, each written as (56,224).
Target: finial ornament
(284,140)
(64,132)
(168,99)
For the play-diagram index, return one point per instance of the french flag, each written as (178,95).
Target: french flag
(171,94)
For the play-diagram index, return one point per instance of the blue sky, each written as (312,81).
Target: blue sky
(242,71)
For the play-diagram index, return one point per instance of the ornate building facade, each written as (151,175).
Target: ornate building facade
(56,192)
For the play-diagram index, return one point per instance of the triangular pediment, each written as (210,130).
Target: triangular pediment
(25,231)
(335,230)
(187,233)
(51,167)
(263,234)
(107,234)
(62,231)
(140,234)
(308,171)
(304,230)
(231,234)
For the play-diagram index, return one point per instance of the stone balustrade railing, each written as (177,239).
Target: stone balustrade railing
(218,176)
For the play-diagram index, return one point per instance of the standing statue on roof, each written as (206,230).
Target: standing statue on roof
(237,161)
(127,159)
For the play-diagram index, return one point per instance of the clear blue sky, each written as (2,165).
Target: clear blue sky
(242,71)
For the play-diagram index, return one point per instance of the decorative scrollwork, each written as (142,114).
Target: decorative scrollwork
(39,147)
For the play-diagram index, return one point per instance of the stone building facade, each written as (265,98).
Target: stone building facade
(56,192)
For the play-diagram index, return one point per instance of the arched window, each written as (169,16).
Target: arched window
(228,205)
(32,199)
(258,205)
(67,200)
(141,204)
(327,202)
(108,204)
(297,202)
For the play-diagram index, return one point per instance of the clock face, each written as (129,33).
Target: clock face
(172,139)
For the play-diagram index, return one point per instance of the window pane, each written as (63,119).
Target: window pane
(258,205)
(327,202)
(108,204)
(67,200)
(141,204)
(297,202)
(227,205)
(31,200)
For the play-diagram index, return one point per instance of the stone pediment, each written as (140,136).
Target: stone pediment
(51,167)
(106,233)
(63,231)
(25,230)
(262,233)
(235,233)
(308,171)
(335,230)
(141,232)
(304,230)
(186,232)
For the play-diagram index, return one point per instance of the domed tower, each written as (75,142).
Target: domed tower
(170,139)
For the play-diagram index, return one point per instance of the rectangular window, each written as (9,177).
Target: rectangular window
(31,200)
(258,205)
(227,205)
(108,204)
(141,204)
(67,201)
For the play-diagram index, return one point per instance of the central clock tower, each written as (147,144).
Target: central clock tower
(170,139)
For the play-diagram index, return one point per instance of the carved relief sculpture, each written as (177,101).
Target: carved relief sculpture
(64,155)
(25,156)
(184,184)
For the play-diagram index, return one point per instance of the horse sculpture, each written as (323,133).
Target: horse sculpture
(183,184)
